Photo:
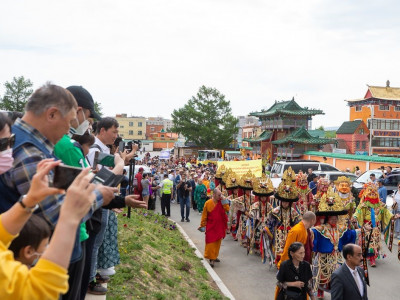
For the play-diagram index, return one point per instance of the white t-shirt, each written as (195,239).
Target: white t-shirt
(92,151)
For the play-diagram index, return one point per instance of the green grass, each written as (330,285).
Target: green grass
(157,262)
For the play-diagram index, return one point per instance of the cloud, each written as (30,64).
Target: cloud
(149,57)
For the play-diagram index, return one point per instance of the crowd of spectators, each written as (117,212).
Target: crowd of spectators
(62,242)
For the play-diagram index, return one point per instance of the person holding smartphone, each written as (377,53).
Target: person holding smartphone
(184,188)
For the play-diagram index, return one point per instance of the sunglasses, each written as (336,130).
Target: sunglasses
(7,142)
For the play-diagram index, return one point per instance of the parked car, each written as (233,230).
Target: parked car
(333,175)
(281,166)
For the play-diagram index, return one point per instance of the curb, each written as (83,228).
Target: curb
(209,269)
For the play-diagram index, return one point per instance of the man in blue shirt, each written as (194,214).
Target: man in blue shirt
(382,191)
(313,184)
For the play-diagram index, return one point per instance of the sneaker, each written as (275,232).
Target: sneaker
(96,288)
(187,220)
(106,272)
(182,220)
(102,279)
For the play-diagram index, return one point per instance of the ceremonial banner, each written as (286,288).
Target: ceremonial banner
(243,166)
(165,154)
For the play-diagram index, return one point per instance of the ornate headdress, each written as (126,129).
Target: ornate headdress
(245,181)
(220,172)
(287,190)
(342,179)
(290,174)
(301,181)
(226,174)
(262,186)
(370,194)
(331,204)
(322,183)
(231,180)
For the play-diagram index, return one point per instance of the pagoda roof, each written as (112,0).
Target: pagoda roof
(290,108)
(349,127)
(265,135)
(317,133)
(301,136)
(380,92)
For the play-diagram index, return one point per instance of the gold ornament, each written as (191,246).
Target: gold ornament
(287,189)
(220,172)
(262,185)
(246,180)
(331,204)
(231,180)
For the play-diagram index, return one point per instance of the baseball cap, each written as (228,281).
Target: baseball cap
(84,99)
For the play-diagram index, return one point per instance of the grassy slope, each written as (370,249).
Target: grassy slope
(157,262)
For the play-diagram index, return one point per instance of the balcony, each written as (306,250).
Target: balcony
(284,124)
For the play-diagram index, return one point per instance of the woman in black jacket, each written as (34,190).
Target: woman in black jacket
(294,276)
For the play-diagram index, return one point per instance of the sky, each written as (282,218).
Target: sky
(147,58)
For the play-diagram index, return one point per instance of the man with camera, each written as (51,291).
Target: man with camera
(184,188)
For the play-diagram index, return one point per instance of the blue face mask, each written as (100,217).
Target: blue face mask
(37,258)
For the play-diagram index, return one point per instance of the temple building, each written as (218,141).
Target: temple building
(380,111)
(284,131)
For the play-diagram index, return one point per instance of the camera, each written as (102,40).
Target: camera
(128,145)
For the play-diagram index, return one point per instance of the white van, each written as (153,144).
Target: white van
(281,166)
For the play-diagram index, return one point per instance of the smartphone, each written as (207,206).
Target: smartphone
(103,159)
(64,176)
(121,146)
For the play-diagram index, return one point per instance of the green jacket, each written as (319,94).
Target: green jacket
(71,156)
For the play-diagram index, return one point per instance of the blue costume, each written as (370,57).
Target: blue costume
(328,244)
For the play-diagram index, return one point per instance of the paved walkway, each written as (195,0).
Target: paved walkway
(247,278)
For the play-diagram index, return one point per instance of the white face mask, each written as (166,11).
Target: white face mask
(83,127)
(6,160)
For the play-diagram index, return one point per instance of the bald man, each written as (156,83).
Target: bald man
(299,233)
(214,222)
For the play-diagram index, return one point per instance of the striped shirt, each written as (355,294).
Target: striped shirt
(24,167)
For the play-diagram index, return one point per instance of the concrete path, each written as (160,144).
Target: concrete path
(247,278)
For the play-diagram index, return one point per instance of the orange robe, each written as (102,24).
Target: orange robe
(212,249)
(297,234)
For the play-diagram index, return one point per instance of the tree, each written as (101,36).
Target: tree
(16,94)
(98,108)
(321,128)
(206,119)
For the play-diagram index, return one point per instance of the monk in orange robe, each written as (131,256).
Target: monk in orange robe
(299,234)
(214,222)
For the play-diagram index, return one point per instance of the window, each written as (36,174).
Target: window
(152,129)
(139,124)
(383,107)
(361,131)
(397,108)
(130,124)
(364,145)
(358,145)
(121,135)
(130,132)
(122,126)
(162,135)
(358,107)
(139,132)
(328,168)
